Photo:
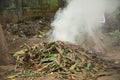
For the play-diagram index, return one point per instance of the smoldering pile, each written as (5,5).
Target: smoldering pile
(69,61)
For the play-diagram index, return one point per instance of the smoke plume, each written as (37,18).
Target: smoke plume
(81,20)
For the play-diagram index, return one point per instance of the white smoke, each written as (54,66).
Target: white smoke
(81,18)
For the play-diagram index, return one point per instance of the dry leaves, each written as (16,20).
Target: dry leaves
(63,58)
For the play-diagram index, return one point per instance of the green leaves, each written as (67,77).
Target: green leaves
(53,3)
(49,58)
(89,65)
(57,57)
(116,34)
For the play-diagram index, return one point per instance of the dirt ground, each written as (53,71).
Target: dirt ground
(14,42)
(113,55)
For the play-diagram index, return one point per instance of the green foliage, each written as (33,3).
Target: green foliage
(53,3)
(116,33)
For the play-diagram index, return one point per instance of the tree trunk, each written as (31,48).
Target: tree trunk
(4,56)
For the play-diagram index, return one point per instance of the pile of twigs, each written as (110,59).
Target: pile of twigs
(58,57)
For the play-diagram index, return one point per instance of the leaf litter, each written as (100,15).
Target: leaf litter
(70,62)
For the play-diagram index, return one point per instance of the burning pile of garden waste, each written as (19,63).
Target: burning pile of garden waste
(68,61)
